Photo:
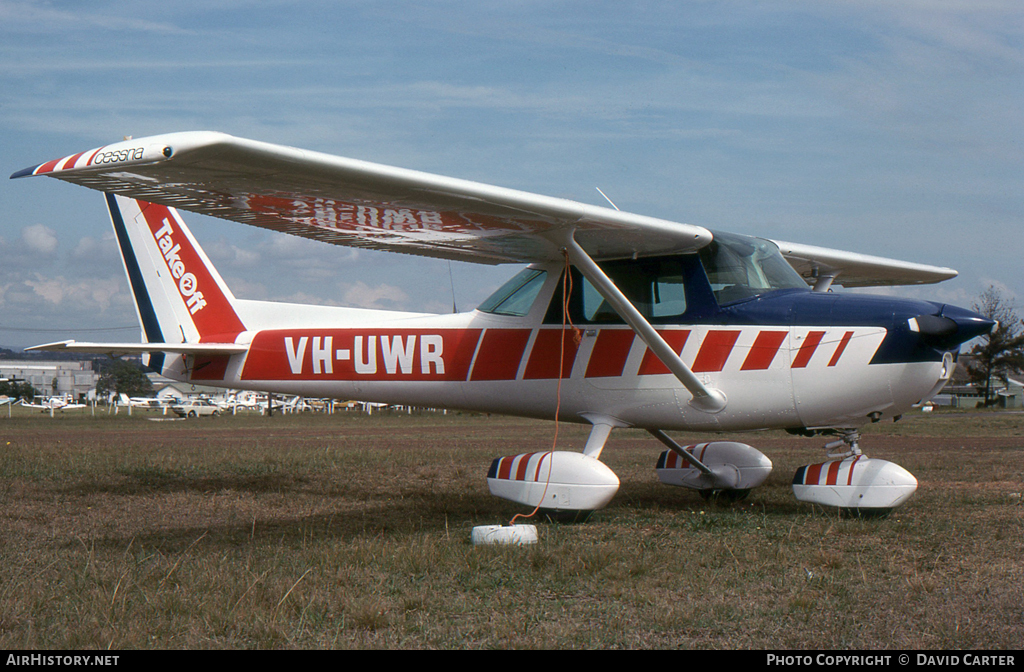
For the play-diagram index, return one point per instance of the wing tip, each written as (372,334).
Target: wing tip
(26,172)
(56,345)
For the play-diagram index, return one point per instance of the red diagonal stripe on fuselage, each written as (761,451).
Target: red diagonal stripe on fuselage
(841,348)
(715,351)
(763,352)
(545,356)
(810,344)
(650,365)
(608,358)
(500,354)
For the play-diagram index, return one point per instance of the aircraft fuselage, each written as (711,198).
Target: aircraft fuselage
(790,358)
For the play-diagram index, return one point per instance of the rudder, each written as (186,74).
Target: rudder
(179,295)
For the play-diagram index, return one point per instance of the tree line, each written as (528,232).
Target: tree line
(1000,354)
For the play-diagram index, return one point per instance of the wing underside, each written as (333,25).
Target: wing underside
(356,203)
(350,202)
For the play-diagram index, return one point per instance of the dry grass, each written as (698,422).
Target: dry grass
(352,531)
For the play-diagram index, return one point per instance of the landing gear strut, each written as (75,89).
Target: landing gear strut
(851,439)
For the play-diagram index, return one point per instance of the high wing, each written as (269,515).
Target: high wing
(350,202)
(850,269)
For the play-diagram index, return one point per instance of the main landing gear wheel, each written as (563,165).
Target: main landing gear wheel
(864,514)
(724,497)
(566,516)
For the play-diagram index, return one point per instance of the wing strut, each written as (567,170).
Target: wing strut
(669,442)
(705,398)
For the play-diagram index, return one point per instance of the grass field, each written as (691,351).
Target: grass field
(353,531)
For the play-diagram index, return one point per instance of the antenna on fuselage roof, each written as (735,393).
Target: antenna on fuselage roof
(452,280)
(606,198)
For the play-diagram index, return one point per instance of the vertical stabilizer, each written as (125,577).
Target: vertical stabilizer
(179,296)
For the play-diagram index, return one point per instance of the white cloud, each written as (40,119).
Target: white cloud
(94,294)
(40,17)
(360,295)
(87,248)
(39,239)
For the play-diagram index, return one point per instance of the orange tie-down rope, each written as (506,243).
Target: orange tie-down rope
(577,337)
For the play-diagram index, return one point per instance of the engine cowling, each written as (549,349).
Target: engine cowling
(556,480)
(856,482)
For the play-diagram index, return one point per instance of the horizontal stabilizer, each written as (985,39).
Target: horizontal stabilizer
(140,348)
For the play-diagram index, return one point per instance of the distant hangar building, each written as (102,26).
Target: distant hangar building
(52,377)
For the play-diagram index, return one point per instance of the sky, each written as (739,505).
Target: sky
(892,129)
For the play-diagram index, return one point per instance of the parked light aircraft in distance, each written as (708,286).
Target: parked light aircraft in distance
(140,402)
(620,320)
(56,403)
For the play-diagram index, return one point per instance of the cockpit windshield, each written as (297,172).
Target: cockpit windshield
(741,267)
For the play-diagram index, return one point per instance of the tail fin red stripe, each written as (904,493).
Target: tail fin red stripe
(210,309)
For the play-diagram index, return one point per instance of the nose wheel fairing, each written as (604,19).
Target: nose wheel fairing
(854,483)
(851,481)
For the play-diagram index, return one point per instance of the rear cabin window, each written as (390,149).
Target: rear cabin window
(516,296)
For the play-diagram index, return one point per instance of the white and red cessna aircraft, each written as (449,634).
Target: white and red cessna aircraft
(670,326)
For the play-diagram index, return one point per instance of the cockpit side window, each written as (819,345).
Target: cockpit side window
(654,286)
(742,267)
(516,296)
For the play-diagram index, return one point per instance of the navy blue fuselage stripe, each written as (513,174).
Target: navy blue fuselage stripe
(149,320)
(788,308)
